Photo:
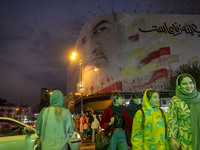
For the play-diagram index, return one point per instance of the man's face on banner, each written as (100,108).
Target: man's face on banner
(99,40)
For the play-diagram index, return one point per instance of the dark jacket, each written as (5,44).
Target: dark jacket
(105,119)
(132,108)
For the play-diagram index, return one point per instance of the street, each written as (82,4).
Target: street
(87,144)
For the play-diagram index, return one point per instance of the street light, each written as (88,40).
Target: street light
(81,86)
(81,83)
(96,69)
(73,56)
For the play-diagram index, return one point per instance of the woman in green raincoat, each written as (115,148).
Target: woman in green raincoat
(184,113)
(149,124)
(54,124)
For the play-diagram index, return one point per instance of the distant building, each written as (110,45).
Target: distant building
(36,109)
(6,111)
(44,98)
(13,111)
(131,52)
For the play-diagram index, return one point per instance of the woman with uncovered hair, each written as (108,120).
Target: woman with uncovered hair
(149,124)
(54,124)
(184,112)
(114,117)
(84,125)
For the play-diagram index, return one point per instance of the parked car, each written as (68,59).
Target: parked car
(32,124)
(15,135)
(74,143)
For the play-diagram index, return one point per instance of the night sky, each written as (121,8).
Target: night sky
(36,36)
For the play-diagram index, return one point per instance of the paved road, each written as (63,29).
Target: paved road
(87,144)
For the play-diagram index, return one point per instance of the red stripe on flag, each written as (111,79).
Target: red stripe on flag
(156,54)
(116,86)
(156,75)
(164,51)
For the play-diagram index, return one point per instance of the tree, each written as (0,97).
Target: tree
(192,68)
(44,101)
(69,102)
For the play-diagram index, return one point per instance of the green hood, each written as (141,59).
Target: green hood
(57,99)
(145,103)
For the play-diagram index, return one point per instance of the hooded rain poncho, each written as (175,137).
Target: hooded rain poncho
(59,125)
(152,136)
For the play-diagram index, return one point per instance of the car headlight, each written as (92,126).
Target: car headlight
(77,136)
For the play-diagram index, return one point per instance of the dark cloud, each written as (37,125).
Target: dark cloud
(30,60)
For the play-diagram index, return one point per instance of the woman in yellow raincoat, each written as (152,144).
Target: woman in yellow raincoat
(149,124)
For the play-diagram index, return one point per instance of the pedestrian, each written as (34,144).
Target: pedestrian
(134,105)
(94,124)
(87,114)
(90,120)
(113,118)
(76,120)
(149,124)
(84,125)
(54,124)
(132,108)
(89,131)
(184,112)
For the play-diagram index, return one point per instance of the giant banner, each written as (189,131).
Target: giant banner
(133,52)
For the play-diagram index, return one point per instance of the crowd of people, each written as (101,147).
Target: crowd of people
(140,125)
(87,124)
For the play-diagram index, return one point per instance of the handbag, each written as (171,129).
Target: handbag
(36,145)
(38,142)
(85,126)
(103,141)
